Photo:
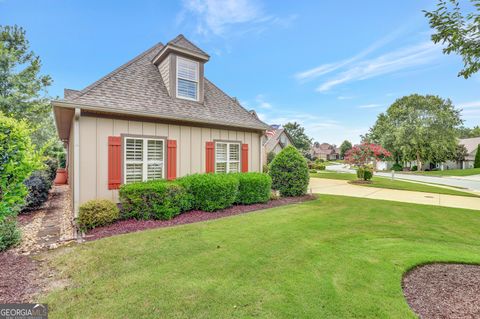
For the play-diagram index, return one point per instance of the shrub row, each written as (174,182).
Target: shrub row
(167,199)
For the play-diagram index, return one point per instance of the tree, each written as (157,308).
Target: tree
(22,87)
(476,164)
(366,153)
(459,31)
(346,145)
(300,140)
(466,132)
(460,153)
(418,128)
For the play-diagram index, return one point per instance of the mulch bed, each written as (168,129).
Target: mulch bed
(132,225)
(17,278)
(444,290)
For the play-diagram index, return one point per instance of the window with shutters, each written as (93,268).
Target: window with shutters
(227,157)
(187,79)
(144,159)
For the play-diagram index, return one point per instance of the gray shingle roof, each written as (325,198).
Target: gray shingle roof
(182,42)
(137,87)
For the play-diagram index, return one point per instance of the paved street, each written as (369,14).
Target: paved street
(468,182)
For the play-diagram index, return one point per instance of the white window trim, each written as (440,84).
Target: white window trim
(145,160)
(228,161)
(197,80)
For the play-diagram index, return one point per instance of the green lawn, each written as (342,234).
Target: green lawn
(451,172)
(382,182)
(334,257)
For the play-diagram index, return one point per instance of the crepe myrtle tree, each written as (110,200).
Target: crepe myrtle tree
(366,153)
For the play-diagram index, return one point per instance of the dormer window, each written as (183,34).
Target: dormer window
(187,79)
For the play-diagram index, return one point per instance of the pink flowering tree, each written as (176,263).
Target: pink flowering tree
(366,153)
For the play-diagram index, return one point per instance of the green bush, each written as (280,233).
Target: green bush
(9,233)
(476,164)
(38,184)
(154,200)
(270,157)
(17,161)
(365,173)
(211,192)
(414,168)
(97,212)
(397,167)
(51,167)
(289,172)
(253,188)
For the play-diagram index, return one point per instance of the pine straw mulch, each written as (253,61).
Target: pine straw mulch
(133,225)
(444,290)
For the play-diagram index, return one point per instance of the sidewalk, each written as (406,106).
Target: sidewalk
(339,187)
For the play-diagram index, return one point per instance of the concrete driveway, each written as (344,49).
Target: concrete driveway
(339,187)
(468,182)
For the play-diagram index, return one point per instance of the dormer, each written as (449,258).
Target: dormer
(181,65)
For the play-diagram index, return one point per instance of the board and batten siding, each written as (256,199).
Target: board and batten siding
(94,133)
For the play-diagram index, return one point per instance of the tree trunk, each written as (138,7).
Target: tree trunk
(419,162)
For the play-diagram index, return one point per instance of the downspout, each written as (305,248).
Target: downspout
(76,170)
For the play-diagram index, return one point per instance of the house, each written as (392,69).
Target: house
(275,140)
(155,117)
(471,144)
(325,152)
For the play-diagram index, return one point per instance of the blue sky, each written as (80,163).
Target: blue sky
(331,65)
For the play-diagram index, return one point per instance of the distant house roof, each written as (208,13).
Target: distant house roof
(274,140)
(471,144)
(324,148)
(137,88)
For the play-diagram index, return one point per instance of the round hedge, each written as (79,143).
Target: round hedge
(97,212)
(289,172)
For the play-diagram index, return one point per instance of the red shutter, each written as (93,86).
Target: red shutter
(244,158)
(114,162)
(210,157)
(171,159)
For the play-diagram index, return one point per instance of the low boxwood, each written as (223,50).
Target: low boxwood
(253,188)
(365,173)
(154,200)
(97,212)
(211,192)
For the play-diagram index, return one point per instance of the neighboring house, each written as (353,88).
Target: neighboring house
(155,117)
(471,144)
(275,140)
(325,152)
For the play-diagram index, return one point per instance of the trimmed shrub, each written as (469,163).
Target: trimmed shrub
(97,212)
(51,167)
(289,172)
(253,188)
(476,164)
(154,200)
(9,233)
(397,167)
(211,192)
(414,168)
(38,184)
(365,173)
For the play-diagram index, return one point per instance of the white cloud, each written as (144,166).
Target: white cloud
(388,63)
(261,103)
(217,17)
(472,104)
(343,97)
(369,106)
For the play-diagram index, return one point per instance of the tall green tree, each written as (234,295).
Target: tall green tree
(476,164)
(467,132)
(299,138)
(418,128)
(457,27)
(346,145)
(23,94)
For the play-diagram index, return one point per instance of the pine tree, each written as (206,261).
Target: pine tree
(476,164)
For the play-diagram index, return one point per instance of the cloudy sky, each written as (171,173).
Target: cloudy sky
(332,66)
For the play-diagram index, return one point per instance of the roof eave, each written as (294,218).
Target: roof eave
(173,48)
(73,105)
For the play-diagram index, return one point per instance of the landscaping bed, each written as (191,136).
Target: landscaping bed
(132,225)
(444,290)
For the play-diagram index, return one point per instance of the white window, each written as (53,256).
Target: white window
(187,79)
(144,159)
(227,157)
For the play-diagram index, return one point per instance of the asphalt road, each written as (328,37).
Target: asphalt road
(472,182)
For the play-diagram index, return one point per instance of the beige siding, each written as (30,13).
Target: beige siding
(191,141)
(164,69)
(70,162)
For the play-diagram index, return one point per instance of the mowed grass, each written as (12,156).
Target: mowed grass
(450,172)
(383,182)
(334,257)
